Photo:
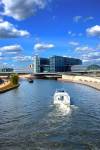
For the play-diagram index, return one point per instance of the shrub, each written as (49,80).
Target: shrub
(14,79)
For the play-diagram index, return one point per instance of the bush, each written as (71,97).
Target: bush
(14,79)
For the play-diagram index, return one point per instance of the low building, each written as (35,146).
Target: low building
(79,68)
(6,69)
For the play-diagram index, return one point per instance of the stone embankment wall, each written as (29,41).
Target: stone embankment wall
(7,86)
(86,80)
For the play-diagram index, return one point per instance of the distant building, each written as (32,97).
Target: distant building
(36,64)
(6,69)
(79,68)
(54,64)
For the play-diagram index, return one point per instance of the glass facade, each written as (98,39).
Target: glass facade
(36,64)
(54,64)
(62,64)
(44,65)
(6,70)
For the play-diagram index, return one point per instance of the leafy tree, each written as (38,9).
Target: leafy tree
(14,79)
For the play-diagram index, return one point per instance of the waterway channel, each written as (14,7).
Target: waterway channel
(30,121)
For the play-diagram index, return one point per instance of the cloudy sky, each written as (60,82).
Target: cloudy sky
(49,27)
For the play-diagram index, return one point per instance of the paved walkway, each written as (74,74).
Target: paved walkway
(86,80)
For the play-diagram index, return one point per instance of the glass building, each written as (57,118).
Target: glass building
(40,64)
(62,64)
(6,69)
(36,64)
(54,64)
(44,65)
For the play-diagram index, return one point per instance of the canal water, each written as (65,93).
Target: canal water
(30,121)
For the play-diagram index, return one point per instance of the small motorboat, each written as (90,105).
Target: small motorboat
(30,80)
(61,97)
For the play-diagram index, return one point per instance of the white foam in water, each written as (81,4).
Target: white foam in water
(64,109)
(74,107)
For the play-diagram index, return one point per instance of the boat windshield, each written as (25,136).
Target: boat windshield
(61,98)
(60,91)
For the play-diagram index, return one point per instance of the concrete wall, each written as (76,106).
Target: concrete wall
(90,81)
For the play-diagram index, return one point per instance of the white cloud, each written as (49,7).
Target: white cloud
(93,31)
(88,18)
(69,32)
(5,64)
(11,49)
(73,43)
(1,58)
(95,56)
(0,54)
(77,18)
(12,53)
(21,9)
(1,19)
(7,30)
(23,58)
(84,49)
(73,34)
(89,54)
(98,47)
(81,18)
(43,46)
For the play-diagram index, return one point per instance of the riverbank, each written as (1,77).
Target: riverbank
(7,86)
(86,80)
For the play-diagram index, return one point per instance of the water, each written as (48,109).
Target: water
(30,121)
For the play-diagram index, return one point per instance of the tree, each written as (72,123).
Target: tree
(14,79)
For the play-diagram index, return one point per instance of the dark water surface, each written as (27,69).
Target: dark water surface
(30,121)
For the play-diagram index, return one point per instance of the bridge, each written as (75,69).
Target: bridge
(47,75)
(54,75)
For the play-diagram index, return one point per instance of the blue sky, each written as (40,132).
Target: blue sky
(49,27)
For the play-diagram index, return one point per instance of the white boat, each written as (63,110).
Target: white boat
(61,97)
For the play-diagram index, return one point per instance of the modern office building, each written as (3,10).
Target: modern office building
(3,69)
(40,64)
(44,65)
(62,64)
(54,64)
(36,64)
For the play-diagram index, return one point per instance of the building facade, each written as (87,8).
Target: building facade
(36,64)
(3,69)
(54,64)
(44,65)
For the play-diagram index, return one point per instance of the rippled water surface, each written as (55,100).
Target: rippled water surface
(30,121)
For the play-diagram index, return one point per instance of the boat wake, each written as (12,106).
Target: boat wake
(62,110)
